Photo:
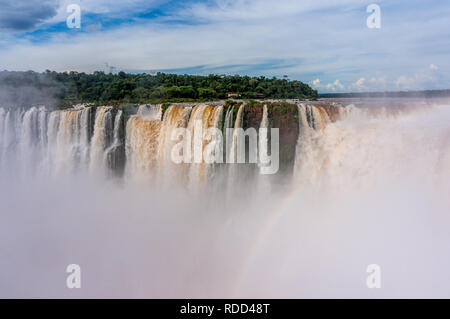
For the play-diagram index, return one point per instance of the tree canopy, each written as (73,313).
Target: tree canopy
(99,87)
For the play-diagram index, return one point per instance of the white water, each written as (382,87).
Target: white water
(48,143)
(150,112)
(369,188)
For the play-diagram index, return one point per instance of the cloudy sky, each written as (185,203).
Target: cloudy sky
(325,43)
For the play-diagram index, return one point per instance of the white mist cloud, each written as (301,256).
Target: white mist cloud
(374,200)
(333,87)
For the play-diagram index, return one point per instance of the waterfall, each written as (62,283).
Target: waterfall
(95,140)
(264,186)
(142,141)
(52,141)
(234,182)
(42,128)
(115,153)
(2,128)
(29,135)
(101,139)
(116,134)
(204,117)
(309,155)
(228,131)
(152,143)
(5,137)
(85,134)
(175,117)
(150,112)
(263,141)
(39,141)
(234,143)
(67,143)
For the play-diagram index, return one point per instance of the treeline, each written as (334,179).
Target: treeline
(98,87)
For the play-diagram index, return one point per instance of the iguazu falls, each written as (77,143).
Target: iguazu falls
(224,158)
(98,185)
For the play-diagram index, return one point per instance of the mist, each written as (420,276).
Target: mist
(369,188)
(22,89)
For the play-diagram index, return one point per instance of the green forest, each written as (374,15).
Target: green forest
(74,87)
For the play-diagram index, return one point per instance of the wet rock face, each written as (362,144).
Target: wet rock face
(253,116)
(283,116)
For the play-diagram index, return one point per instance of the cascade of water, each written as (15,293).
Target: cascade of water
(85,134)
(233,169)
(115,152)
(206,148)
(52,140)
(101,139)
(228,132)
(310,157)
(28,141)
(67,140)
(142,141)
(150,112)
(39,141)
(264,186)
(117,120)
(5,138)
(175,117)
(263,141)
(42,127)
(2,127)
(237,125)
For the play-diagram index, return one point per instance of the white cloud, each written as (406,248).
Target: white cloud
(378,81)
(316,83)
(251,32)
(121,8)
(433,67)
(359,85)
(334,86)
(225,10)
(406,83)
(430,77)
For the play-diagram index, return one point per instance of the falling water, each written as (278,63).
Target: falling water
(142,144)
(85,133)
(263,141)
(175,117)
(29,134)
(234,178)
(310,156)
(204,117)
(228,132)
(114,153)
(264,185)
(150,112)
(101,139)
(237,125)
(370,187)
(2,128)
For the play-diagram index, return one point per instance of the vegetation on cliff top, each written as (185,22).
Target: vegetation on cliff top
(70,88)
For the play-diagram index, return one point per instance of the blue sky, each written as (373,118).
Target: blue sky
(325,43)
